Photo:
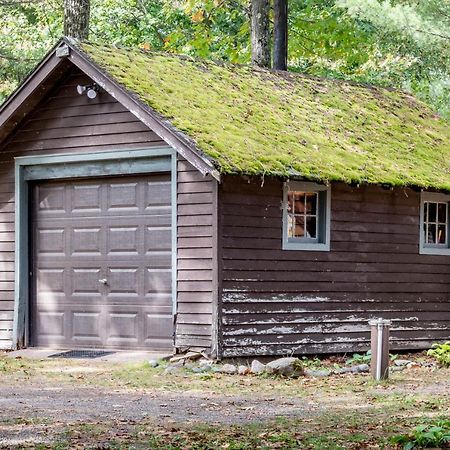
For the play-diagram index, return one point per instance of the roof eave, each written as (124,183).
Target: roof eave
(31,90)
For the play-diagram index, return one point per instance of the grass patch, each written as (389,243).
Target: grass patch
(344,412)
(327,431)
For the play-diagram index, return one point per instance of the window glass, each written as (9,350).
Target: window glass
(435,223)
(302,210)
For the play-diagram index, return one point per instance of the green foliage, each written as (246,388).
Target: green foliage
(311,363)
(441,352)
(433,435)
(357,358)
(261,122)
(206,28)
(398,43)
(412,47)
(28,30)
(365,358)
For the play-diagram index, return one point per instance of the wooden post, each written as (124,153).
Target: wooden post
(379,364)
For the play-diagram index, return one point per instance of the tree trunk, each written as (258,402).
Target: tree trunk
(76,18)
(280,34)
(260,33)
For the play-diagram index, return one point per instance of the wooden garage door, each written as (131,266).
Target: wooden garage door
(102,263)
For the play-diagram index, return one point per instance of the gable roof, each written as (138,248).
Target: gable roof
(243,120)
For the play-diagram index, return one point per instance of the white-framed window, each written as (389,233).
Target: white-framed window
(306,216)
(434,223)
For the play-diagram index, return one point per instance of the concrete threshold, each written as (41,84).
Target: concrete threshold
(114,356)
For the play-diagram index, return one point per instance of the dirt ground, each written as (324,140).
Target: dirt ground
(79,404)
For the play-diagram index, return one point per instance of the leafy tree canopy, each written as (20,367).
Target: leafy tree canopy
(399,43)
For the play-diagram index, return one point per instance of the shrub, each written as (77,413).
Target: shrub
(359,359)
(433,435)
(441,352)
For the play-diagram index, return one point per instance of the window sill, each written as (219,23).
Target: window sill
(434,251)
(304,246)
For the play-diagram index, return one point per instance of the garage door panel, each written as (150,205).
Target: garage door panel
(158,281)
(51,241)
(87,240)
(124,328)
(156,326)
(51,199)
(124,239)
(51,281)
(124,281)
(158,194)
(86,326)
(51,324)
(103,263)
(84,281)
(157,238)
(86,198)
(124,197)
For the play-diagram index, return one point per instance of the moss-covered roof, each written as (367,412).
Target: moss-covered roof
(253,121)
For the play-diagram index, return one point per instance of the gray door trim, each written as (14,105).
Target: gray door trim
(84,165)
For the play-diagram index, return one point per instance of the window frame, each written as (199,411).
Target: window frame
(433,249)
(322,242)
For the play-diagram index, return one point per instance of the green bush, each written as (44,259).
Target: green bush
(433,435)
(365,358)
(357,358)
(441,352)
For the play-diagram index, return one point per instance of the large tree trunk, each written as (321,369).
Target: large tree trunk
(260,33)
(280,34)
(76,18)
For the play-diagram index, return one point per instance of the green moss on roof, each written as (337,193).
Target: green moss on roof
(252,121)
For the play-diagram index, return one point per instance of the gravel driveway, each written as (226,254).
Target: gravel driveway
(33,414)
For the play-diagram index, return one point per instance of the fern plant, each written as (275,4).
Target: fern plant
(435,435)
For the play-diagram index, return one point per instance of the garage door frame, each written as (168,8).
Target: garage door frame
(84,165)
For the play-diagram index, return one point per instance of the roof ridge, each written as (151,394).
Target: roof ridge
(251,68)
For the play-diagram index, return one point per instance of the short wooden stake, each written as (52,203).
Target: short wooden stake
(379,335)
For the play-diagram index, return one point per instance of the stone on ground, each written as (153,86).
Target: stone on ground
(229,369)
(361,368)
(257,367)
(318,373)
(402,362)
(287,367)
(243,370)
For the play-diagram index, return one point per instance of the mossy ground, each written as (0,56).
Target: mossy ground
(350,412)
(267,123)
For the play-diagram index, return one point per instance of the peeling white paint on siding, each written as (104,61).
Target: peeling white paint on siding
(238,319)
(238,296)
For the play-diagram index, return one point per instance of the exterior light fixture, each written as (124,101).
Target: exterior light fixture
(90,90)
(81,89)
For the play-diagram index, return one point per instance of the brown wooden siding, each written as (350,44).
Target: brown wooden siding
(64,122)
(284,301)
(196,258)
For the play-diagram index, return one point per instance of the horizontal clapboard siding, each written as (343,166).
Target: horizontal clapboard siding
(195,258)
(64,122)
(283,301)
